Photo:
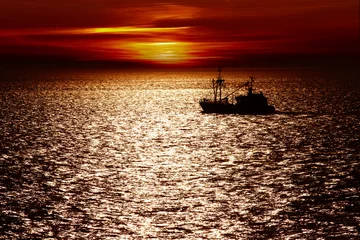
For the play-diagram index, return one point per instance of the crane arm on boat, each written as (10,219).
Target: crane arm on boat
(244,85)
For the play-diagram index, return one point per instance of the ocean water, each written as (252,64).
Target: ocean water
(128,154)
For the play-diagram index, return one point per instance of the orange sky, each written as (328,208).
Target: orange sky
(197,32)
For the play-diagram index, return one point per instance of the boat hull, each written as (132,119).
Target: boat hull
(222,108)
(217,107)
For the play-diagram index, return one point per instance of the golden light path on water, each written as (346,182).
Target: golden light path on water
(130,155)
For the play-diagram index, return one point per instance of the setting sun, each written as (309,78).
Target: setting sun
(162,52)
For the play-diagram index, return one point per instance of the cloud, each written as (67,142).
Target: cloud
(196,29)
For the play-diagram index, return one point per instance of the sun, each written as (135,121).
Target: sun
(162,52)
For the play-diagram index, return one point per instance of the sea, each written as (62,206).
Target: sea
(128,154)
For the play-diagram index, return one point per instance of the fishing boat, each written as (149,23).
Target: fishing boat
(252,103)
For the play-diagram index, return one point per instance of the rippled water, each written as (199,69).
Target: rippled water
(129,155)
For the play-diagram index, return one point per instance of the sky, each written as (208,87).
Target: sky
(174,32)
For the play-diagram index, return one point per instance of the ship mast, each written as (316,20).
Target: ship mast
(251,83)
(219,84)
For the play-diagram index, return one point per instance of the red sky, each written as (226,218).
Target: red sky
(196,32)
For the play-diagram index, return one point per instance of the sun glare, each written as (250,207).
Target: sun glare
(162,52)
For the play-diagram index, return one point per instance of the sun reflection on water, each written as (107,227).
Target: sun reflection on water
(137,159)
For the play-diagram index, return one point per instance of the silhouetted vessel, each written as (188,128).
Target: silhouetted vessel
(252,103)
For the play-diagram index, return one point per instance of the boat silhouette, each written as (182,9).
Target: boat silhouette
(252,103)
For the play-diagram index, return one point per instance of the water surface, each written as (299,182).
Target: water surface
(129,155)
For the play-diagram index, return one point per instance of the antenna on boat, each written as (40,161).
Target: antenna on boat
(252,80)
(250,86)
(219,84)
(219,71)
